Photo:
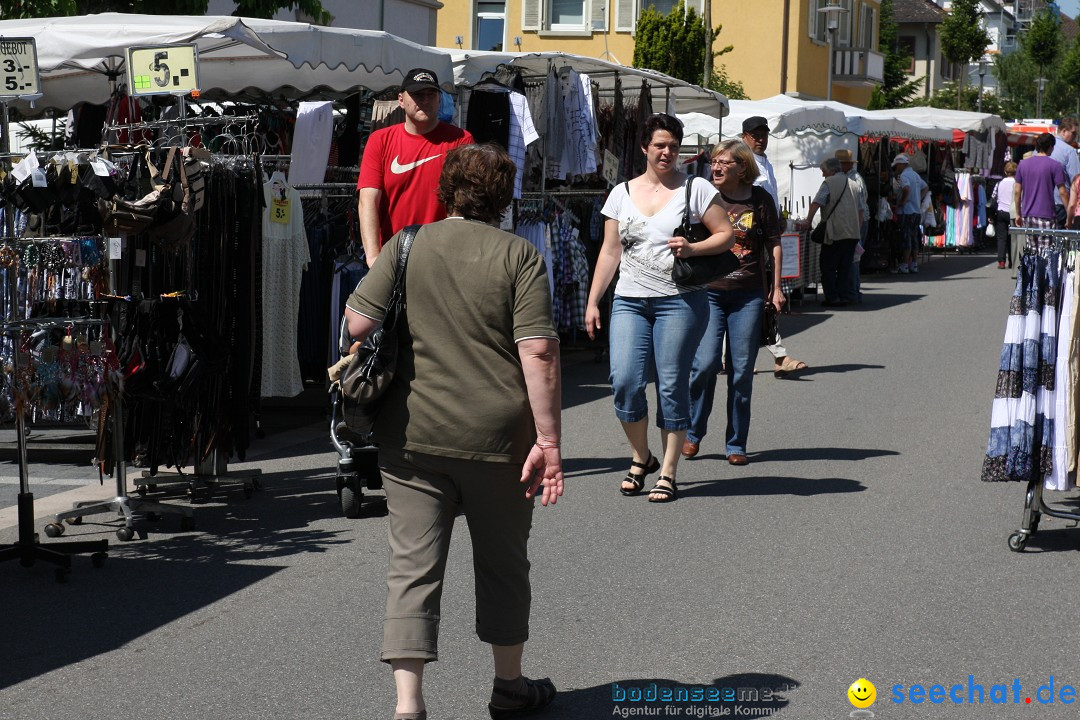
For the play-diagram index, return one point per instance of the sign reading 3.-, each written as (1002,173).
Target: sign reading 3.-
(18,67)
(163,70)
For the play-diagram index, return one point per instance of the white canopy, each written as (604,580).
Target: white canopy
(470,67)
(952,119)
(79,57)
(803,133)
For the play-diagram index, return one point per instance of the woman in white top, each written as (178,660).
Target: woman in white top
(1003,195)
(655,325)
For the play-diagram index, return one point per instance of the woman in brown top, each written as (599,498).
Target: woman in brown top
(736,301)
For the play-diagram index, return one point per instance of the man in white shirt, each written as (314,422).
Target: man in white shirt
(755,133)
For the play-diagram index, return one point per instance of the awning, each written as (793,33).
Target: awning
(80,58)
(472,66)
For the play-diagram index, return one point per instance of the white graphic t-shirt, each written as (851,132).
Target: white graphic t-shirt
(645,268)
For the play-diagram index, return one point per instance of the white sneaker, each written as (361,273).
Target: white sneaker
(903,269)
(914,268)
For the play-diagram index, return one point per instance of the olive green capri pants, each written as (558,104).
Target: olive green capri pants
(424,493)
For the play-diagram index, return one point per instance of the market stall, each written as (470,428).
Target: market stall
(208,294)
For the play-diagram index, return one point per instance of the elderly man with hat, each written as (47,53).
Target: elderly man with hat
(909,207)
(401,164)
(847,166)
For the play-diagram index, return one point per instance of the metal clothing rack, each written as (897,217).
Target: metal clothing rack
(27,549)
(1034,504)
(132,509)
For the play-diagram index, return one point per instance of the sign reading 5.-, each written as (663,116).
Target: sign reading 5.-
(18,67)
(163,70)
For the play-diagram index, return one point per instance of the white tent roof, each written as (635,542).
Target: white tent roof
(952,119)
(470,67)
(77,55)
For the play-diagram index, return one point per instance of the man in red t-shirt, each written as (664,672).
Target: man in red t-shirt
(400,169)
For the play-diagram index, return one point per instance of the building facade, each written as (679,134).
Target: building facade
(410,19)
(780,46)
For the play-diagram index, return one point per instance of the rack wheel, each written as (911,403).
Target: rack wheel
(187,523)
(62,574)
(74,520)
(141,489)
(351,497)
(1018,541)
(54,529)
(125,533)
(98,559)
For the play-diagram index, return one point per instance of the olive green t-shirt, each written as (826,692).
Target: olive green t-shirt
(471,292)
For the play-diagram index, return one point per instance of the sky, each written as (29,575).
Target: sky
(1069,7)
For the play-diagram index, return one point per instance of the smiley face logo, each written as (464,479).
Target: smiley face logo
(862,693)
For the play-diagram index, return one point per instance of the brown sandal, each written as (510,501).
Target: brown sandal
(789,366)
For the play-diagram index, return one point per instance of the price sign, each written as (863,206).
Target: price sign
(164,70)
(19,68)
(611,168)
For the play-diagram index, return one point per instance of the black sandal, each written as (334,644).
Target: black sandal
(667,494)
(638,479)
(538,695)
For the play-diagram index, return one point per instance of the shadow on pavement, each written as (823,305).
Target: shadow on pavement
(147,585)
(768,485)
(754,694)
(827,369)
(818,453)
(1065,539)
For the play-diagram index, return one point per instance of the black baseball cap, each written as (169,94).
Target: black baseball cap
(752,123)
(419,79)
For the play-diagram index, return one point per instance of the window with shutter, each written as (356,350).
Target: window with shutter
(598,15)
(626,14)
(530,14)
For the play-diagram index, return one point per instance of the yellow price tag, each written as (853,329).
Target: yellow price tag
(279,210)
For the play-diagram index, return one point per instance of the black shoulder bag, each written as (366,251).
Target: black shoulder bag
(770,317)
(365,380)
(700,269)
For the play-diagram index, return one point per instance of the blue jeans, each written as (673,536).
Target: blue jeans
(736,313)
(655,337)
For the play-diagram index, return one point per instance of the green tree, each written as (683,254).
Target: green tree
(1043,42)
(946,97)
(22,9)
(896,88)
(1070,70)
(722,83)
(963,38)
(675,44)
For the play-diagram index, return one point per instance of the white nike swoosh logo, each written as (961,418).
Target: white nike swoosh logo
(397,168)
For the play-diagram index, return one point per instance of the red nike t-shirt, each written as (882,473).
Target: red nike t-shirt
(406,168)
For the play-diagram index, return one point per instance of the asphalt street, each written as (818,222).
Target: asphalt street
(859,543)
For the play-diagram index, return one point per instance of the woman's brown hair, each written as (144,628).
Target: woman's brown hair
(477,182)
